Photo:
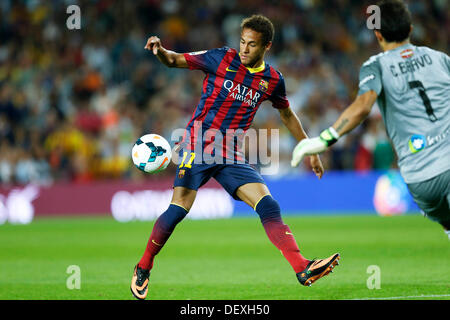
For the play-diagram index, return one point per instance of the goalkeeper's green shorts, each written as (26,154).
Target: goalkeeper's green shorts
(433,197)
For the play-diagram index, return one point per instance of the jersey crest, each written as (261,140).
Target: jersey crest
(263,85)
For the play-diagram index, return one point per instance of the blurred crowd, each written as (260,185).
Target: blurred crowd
(73,102)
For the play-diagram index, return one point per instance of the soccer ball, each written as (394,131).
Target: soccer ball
(151,153)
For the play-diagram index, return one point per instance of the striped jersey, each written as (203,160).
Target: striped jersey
(231,95)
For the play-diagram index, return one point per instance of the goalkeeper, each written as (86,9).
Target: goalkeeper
(411,86)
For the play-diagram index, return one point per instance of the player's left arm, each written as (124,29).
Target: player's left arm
(292,122)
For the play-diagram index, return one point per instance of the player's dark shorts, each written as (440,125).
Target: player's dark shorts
(433,197)
(230,176)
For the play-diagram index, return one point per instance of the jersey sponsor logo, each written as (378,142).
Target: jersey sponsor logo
(366,79)
(438,138)
(242,93)
(416,143)
(197,53)
(408,53)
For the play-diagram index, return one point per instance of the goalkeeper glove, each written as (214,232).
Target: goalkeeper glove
(312,146)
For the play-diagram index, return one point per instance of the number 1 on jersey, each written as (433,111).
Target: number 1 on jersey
(425,99)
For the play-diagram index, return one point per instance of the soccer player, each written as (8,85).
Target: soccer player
(235,84)
(412,87)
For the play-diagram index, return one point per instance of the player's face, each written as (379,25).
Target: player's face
(251,49)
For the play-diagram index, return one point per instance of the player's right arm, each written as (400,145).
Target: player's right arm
(167,57)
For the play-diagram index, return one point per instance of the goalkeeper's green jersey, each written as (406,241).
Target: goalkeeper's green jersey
(413,87)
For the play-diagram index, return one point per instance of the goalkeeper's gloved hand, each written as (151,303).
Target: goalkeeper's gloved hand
(312,146)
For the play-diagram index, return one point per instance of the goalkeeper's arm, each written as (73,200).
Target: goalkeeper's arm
(356,113)
(348,120)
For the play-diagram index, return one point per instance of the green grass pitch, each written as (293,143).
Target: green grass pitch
(228,259)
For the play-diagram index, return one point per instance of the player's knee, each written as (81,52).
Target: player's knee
(267,204)
(268,209)
(184,198)
(183,202)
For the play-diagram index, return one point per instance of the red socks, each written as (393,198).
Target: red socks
(157,240)
(281,236)
(161,232)
(279,233)
(267,208)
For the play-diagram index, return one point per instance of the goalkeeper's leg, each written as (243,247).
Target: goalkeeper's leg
(433,197)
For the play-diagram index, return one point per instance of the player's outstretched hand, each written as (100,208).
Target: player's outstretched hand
(306,147)
(312,146)
(153,44)
(317,166)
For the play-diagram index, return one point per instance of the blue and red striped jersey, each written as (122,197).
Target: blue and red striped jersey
(231,95)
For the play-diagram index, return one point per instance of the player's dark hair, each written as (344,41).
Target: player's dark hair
(395,20)
(261,24)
